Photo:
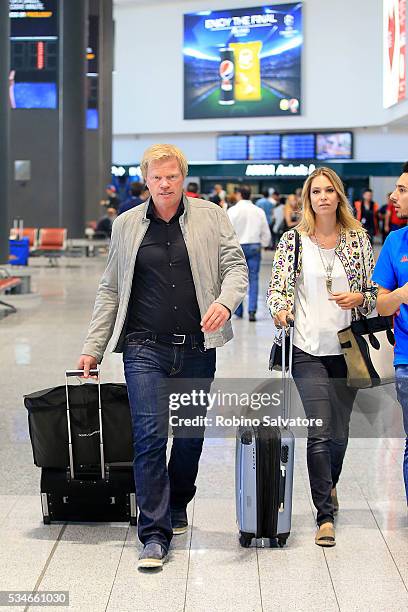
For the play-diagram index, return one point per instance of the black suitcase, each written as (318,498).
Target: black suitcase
(87,491)
(88,497)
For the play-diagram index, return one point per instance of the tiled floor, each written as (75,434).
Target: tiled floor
(207,570)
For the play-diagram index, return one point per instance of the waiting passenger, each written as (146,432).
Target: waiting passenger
(175,273)
(391,274)
(112,200)
(330,288)
(104,225)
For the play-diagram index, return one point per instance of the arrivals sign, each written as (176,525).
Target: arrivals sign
(394,52)
(243,62)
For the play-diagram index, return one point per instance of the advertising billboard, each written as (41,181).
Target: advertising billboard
(34,54)
(394,52)
(243,63)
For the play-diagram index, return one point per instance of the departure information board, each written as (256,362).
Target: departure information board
(33,73)
(336,145)
(298,146)
(233,147)
(264,146)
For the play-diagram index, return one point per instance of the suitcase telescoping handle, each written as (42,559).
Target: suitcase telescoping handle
(95,372)
(287,374)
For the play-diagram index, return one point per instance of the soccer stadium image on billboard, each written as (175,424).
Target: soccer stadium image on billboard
(243,62)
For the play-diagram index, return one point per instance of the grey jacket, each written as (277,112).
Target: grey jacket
(217,265)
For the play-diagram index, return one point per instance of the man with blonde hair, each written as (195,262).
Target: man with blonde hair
(174,275)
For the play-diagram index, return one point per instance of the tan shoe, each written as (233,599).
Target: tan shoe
(325,535)
(335,500)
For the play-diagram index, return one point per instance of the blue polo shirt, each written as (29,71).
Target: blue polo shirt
(267,207)
(391,272)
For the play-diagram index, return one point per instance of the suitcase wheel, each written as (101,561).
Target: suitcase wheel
(46,520)
(245,540)
(133,521)
(282,542)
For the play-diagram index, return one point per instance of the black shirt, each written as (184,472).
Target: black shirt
(163,297)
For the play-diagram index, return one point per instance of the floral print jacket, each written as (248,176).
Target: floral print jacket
(355,253)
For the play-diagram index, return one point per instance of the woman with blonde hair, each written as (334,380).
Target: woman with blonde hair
(330,287)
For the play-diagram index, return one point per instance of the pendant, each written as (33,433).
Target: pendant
(329,284)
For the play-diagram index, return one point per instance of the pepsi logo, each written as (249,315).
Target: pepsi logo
(226,70)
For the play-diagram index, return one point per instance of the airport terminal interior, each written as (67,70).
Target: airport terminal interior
(255,96)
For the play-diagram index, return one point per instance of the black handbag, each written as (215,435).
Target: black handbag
(275,356)
(47,419)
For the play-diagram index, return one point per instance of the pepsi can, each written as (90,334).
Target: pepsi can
(227,73)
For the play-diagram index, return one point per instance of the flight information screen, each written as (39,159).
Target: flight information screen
(33,73)
(264,146)
(337,145)
(232,147)
(298,146)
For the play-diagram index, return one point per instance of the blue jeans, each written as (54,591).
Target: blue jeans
(401,383)
(147,366)
(252,254)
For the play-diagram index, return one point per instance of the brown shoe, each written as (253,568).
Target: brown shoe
(335,501)
(325,535)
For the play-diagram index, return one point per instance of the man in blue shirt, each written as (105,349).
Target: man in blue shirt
(267,203)
(391,274)
(136,190)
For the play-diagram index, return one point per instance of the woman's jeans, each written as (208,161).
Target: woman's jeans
(149,366)
(401,383)
(322,386)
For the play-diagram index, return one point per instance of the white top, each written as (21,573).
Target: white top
(249,222)
(317,320)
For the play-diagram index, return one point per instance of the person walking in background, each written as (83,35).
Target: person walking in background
(175,274)
(253,233)
(279,225)
(391,274)
(219,197)
(192,190)
(136,190)
(267,203)
(392,221)
(330,287)
(292,211)
(366,213)
(383,228)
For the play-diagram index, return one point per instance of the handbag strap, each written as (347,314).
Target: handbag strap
(297,249)
(295,265)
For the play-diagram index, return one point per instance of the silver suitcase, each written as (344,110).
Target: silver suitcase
(264,473)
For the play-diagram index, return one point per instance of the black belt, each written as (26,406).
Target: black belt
(188,339)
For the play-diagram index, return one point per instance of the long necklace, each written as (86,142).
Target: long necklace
(327,266)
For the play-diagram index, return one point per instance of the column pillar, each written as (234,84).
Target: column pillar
(4,129)
(73,29)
